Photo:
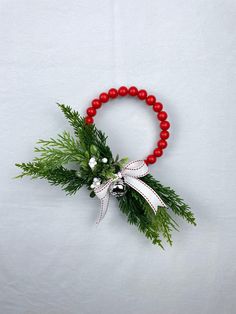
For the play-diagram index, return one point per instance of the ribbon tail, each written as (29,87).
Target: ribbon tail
(146,191)
(102,193)
(104,208)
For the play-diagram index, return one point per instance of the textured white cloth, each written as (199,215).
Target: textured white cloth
(53,258)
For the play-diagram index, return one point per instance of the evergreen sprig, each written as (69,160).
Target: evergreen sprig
(153,225)
(54,155)
(67,179)
(60,151)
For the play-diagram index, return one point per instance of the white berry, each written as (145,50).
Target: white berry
(104,160)
(92,162)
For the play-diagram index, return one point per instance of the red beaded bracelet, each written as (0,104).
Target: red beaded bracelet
(150,101)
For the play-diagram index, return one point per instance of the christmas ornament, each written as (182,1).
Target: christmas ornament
(143,199)
(117,188)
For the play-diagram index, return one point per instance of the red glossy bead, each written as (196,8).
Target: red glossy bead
(123,91)
(89,120)
(113,93)
(157,107)
(133,91)
(164,135)
(158,152)
(96,103)
(151,159)
(162,144)
(165,125)
(142,94)
(91,111)
(104,97)
(150,100)
(162,116)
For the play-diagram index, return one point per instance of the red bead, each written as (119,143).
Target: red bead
(91,111)
(158,152)
(162,144)
(151,159)
(96,103)
(157,107)
(133,91)
(146,162)
(89,120)
(113,93)
(150,100)
(164,135)
(164,125)
(104,97)
(123,91)
(142,94)
(162,116)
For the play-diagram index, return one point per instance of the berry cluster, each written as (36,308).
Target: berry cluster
(150,101)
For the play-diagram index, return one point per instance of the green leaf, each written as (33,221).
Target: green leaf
(94,150)
(92,194)
(123,162)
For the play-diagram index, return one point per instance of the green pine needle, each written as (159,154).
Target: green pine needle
(153,225)
(60,151)
(67,179)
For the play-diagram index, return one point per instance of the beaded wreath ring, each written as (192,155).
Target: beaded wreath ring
(144,200)
(143,96)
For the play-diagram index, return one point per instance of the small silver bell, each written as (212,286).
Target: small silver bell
(118,188)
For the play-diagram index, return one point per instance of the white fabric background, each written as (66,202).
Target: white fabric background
(53,258)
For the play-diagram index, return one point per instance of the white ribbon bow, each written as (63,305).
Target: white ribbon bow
(130,173)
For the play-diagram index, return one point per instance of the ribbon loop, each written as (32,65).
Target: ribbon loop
(136,169)
(131,174)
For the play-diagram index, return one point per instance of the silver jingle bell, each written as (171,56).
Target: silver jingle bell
(118,188)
